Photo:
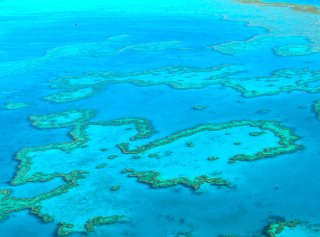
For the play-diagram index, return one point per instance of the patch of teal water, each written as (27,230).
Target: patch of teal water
(100,33)
(30,190)
(171,111)
(24,224)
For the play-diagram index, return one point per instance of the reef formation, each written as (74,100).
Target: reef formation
(86,166)
(292,228)
(280,81)
(280,38)
(15,105)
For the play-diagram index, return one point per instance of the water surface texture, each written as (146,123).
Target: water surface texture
(185,118)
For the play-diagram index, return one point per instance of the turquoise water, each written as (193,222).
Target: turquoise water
(163,119)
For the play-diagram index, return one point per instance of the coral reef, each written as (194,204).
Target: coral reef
(199,107)
(178,77)
(15,105)
(152,178)
(279,81)
(290,14)
(102,220)
(274,229)
(84,132)
(286,144)
(316,108)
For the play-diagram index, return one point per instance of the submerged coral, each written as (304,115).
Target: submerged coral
(78,174)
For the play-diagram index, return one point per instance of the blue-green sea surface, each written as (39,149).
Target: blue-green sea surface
(186,118)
